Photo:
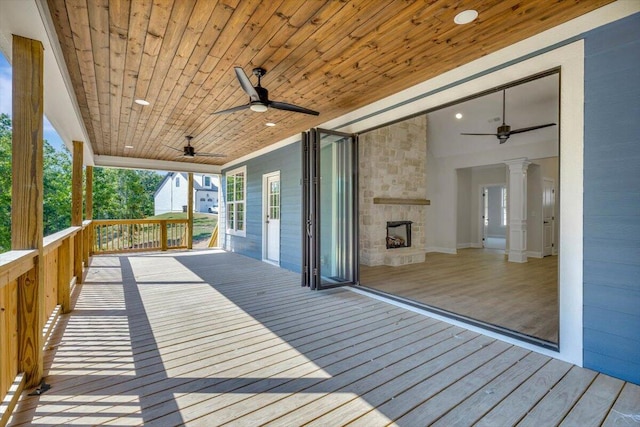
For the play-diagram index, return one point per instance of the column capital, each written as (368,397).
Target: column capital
(520,164)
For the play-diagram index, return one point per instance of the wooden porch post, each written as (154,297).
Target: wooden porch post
(88,212)
(26,199)
(190,212)
(76,208)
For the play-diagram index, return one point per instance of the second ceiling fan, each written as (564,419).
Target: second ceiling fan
(504,131)
(259,97)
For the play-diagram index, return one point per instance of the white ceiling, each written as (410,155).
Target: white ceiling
(529,104)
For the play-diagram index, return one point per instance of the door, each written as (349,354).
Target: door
(330,255)
(494,232)
(271,215)
(548,215)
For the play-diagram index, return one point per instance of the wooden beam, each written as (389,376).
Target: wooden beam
(190,212)
(400,201)
(76,207)
(26,199)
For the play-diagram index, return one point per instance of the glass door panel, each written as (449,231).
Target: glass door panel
(330,211)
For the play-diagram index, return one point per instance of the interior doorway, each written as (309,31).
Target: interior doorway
(494,216)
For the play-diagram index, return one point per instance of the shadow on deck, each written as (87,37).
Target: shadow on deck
(209,338)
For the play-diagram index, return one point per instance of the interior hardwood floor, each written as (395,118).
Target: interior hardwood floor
(480,284)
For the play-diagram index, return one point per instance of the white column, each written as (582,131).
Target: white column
(517,212)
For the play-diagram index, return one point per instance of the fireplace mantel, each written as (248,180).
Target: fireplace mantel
(400,201)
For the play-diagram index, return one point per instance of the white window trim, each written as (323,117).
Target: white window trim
(233,232)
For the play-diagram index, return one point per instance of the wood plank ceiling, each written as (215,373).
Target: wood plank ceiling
(327,55)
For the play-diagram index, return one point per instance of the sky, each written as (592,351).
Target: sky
(50,133)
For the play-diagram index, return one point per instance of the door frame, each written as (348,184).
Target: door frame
(265,204)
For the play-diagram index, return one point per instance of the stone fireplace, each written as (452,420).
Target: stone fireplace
(392,175)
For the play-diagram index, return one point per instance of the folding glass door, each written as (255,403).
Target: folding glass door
(330,252)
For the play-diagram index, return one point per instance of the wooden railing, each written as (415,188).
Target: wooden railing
(135,235)
(59,267)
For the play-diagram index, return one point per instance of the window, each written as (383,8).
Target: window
(207,181)
(504,206)
(177,181)
(236,192)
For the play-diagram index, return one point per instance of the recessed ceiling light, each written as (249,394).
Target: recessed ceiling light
(128,146)
(270,124)
(141,102)
(458,116)
(465,17)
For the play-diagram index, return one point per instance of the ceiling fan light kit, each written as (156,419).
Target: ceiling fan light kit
(259,96)
(504,131)
(258,107)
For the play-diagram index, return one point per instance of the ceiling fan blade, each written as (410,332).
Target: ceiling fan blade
(491,134)
(246,84)
(531,128)
(173,148)
(233,109)
(210,155)
(290,107)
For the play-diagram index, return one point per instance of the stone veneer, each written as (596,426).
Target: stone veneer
(393,164)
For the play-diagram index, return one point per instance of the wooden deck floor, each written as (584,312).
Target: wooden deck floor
(203,338)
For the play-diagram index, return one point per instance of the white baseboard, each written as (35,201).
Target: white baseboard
(469,245)
(451,251)
(534,254)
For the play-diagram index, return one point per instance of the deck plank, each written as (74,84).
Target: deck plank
(595,403)
(515,406)
(626,410)
(483,400)
(552,409)
(209,338)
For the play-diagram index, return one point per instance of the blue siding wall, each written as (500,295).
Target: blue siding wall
(612,199)
(288,161)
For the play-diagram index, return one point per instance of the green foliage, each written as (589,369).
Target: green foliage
(5,183)
(123,193)
(57,189)
(117,193)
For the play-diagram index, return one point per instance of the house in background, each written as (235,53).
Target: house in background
(171,195)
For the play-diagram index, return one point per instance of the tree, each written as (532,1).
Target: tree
(123,193)
(57,189)
(5,183)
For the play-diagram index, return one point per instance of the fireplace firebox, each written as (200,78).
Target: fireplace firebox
(398,234)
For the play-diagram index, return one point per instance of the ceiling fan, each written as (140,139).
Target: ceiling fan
(190,152)
(504,131)
(259,96)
